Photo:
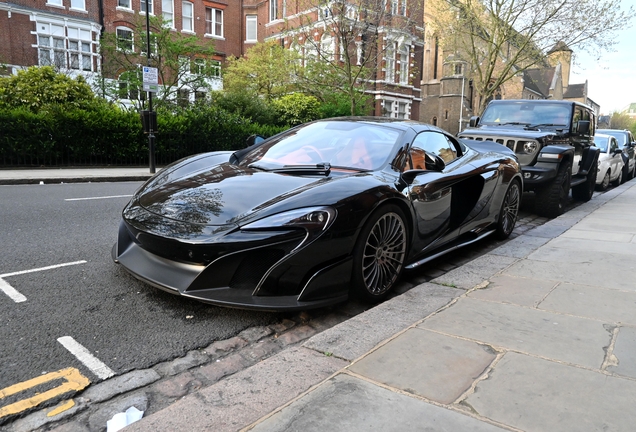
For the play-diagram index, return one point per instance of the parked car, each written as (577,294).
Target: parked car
(610,162)
(626,141)
(316,213)
(553,140)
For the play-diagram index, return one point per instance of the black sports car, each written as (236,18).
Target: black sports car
(318,212)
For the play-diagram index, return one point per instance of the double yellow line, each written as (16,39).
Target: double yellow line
(73,381)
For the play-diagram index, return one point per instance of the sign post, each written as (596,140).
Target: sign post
(150,85)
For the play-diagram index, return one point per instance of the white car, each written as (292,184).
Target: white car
(610,161)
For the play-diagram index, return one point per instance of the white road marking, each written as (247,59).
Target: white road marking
(11,292)
(83,355)
(96,198)
(42,268)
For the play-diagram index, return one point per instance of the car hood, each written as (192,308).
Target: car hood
(230,194)
(503,131)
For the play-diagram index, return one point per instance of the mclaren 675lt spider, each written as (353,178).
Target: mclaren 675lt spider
(317,213)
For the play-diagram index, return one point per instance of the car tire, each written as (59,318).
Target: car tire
(633,173)
(550,201)
(585,190)
(625,173)
(509,211)
(619,179)
(603,185)
(379,254)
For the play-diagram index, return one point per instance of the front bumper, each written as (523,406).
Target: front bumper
(538,175)
(272,274)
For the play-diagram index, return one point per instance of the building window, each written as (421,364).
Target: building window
(251,24)
(187,19)
(143,6)
(206,67)
(124,39)
(403,8)
(55,3)
(199,96)
(130,84)
(80,56)
(389,62)
(404,64)
(167,11)
(153,46)
(52,51)
(183,97)
(434,121)
(124,4)
(458,69)
(78,4)
(214,22)
(327,47)
(387,108)
(402,114)
(394,7)
(273,10)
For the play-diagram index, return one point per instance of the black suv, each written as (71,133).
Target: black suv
(625,141)
(554,143)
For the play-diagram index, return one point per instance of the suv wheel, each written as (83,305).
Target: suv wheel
(550,201)
(584,191)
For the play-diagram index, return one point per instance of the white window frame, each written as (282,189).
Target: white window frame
(55,3)
(394,7)
(187,18)
(404,63)
(403,7)
(132,39)
(251,28)
(212,24)
(142,7)
(168,12)
(389,62)
(127,4)
(327,47)
(79,5)
(273,10)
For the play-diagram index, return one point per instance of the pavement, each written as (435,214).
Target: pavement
(539,334)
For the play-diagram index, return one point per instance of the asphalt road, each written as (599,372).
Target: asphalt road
(122,322)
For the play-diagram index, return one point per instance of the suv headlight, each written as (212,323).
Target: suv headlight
(530,147)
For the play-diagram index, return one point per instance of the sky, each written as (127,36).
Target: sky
(611,79)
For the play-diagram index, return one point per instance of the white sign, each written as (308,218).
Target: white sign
(151,75)
(151,87)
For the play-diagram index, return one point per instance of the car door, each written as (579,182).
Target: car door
(434,193)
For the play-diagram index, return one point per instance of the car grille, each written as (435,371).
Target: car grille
(253,266)
(516,145)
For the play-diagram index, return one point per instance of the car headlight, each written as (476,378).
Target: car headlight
(530,147)
(313,219)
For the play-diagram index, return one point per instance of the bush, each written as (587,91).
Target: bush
(297,108)
(249,106)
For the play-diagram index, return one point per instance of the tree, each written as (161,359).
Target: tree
(343,44)
(266,70)
(184,63)
(40,86)
(499,39)
(620,120)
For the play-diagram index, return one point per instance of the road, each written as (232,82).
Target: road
(65,304)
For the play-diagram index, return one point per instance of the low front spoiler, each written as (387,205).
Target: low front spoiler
(176,278)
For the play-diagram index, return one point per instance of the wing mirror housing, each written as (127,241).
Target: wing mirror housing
(583,127)
(473,121)
(431,162)
(253,139)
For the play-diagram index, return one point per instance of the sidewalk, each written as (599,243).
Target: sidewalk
(72,175)
(538,335)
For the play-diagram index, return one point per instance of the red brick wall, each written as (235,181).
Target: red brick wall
(16,39)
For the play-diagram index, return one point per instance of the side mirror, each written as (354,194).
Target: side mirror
(254,139)
(431,162)
(473,121)
(583,127)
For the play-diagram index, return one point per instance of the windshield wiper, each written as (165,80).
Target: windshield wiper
(543,125)
(323,168)
(512,123)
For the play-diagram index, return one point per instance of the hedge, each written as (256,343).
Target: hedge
(106,135)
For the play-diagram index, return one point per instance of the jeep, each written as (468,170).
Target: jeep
(554,143)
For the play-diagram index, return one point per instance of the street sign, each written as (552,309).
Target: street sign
(151,79)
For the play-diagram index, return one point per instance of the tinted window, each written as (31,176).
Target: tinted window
(432,142)
(526,113)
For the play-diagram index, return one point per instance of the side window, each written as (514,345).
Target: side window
(578,115)
(613,144)
(432,142)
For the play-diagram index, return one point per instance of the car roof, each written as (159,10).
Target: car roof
(541,101)
(402,124)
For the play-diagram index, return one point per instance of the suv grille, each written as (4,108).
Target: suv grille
(516,145)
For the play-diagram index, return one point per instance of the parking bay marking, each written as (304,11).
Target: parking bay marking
(89,360)
(96,198)
(13,293)
(73,381)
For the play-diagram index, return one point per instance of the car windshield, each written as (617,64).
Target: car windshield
(621,137)
(340,144)
(601,142)
(526,114)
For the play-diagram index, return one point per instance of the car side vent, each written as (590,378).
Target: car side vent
(500,141)
(253,267)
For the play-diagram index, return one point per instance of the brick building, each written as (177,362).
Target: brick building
(66,34)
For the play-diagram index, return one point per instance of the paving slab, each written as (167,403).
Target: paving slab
(521,246)
(625,353)
(438,367)
(596,246)
(618,237)
(570,339)
(246,396)
(533,394)
(475,272)
(614,273)
(607,305)
(600,223)
(355,337)
(515,290)
(348,404)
